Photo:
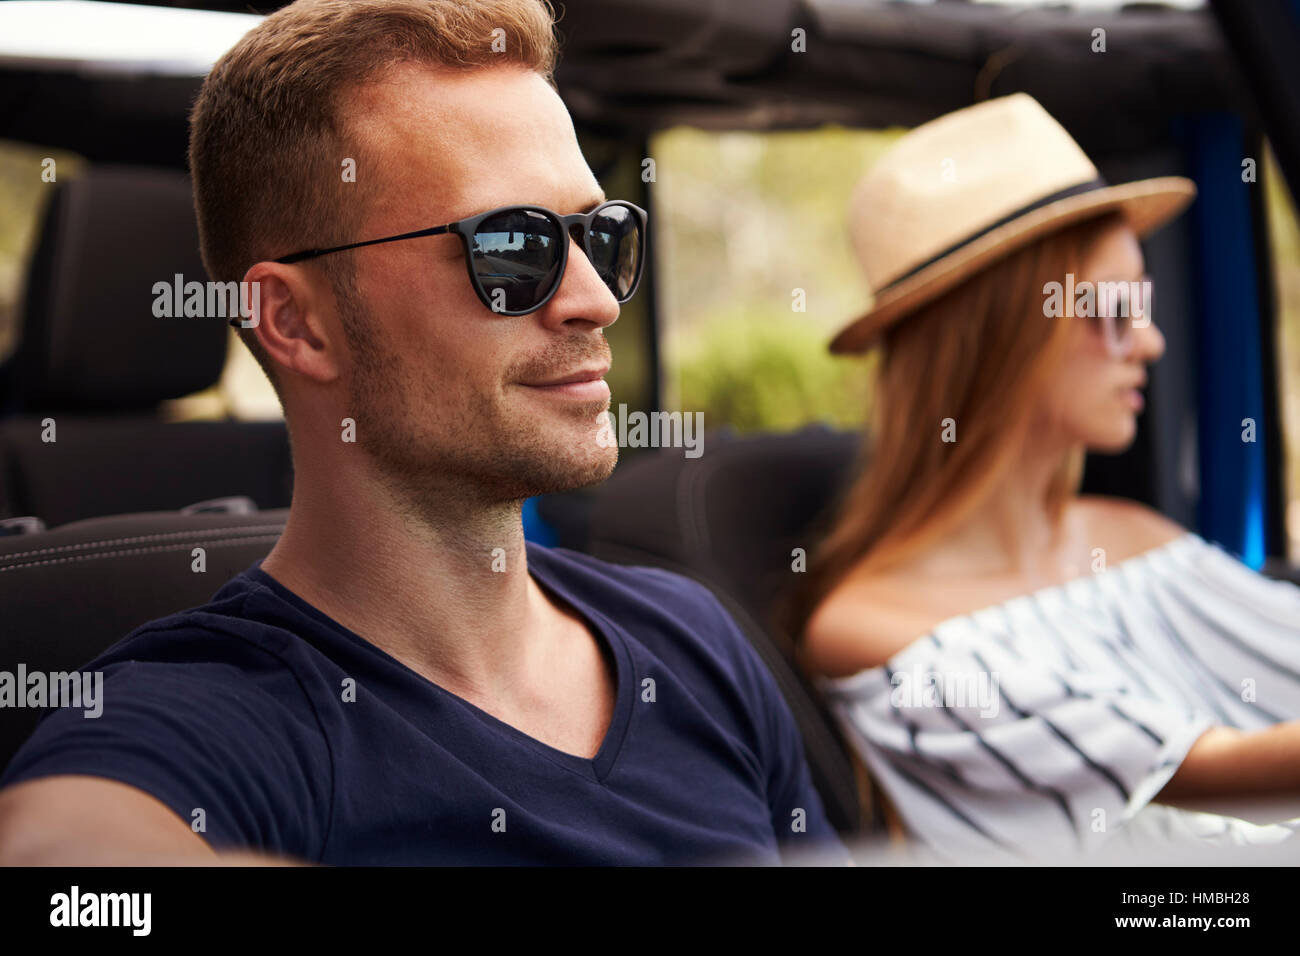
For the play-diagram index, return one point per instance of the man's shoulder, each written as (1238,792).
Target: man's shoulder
(677,618)
(660,586)
(235,627)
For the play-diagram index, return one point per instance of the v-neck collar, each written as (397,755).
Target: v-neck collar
(542,567)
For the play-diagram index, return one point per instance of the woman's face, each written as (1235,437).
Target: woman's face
(1096,397)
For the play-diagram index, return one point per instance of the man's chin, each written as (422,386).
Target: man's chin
(552,475)
(560,453)
(579,461)
(594,473)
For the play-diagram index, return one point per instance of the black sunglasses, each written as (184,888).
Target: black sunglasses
(516,255)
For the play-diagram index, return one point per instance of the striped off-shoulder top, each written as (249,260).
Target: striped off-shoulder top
(1046,725)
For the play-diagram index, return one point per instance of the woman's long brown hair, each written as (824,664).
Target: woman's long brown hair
(979,355)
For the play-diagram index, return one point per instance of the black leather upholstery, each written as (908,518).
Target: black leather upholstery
(103,466)
(68,594)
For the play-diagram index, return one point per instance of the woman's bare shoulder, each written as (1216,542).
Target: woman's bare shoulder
(861,624)
(1124,528)
(867,619)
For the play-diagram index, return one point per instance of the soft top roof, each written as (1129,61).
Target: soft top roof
(633,66)
(652,63)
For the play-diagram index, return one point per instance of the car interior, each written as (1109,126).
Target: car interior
(129,516)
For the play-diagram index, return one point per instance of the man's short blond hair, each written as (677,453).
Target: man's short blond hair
(269,131)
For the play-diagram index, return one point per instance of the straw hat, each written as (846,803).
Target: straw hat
(960,192)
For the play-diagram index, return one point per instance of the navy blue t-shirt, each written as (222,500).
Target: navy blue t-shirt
(284,732)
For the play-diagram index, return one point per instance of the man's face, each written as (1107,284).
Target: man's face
(445,392)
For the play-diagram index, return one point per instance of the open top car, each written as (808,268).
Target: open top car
(144,461)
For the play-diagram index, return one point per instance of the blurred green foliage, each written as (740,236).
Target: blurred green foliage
(756,368)
(747,225)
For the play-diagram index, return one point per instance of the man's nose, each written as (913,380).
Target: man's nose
(582,296)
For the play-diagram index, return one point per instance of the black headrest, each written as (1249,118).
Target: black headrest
(88,339)
(133,463)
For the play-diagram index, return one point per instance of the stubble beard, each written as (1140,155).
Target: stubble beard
(436,456)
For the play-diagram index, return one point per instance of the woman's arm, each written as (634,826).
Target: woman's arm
(1225,761)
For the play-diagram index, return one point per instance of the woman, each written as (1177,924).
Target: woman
(1025,670)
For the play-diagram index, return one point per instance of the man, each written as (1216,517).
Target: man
(403,679)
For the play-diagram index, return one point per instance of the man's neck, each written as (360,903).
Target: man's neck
(444,589)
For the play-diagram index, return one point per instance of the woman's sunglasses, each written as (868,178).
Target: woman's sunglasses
(516,255)
(1122,307)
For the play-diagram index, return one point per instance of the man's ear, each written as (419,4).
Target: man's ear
(295,323)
